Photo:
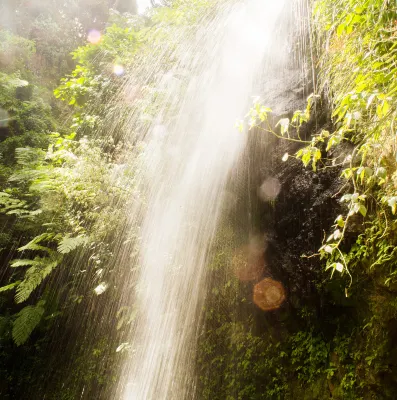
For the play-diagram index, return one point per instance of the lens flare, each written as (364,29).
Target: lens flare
(118,69)
(269,294)
(269,189)
(143,5)
(94,36)
(248,262)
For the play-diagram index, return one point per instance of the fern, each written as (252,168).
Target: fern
(35,276)
(28,156)
(23,263)
(9,287)
(34,243)
(27,320)
(4,194)
(10,205)
(40,267)
(35,247)
(18,212)
(69,244)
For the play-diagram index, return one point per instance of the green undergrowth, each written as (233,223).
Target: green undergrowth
(341,344)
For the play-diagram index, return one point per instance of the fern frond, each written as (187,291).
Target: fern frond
(9,287)
(36,247)
(32,245)
(36,212)
(16,204)
(10,205)
(23,263)
(17,82)
(34,277)
(69,244)
(29,156)
(25,175)
(27,320)
(18,212)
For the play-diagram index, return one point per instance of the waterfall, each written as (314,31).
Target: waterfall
(189,151)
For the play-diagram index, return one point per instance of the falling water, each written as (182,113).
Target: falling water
(186,163)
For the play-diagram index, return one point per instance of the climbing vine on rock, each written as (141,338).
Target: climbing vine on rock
(357,64)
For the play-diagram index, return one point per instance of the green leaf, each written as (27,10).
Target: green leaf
(339,267)
(382,109)
(33,244)
(340,29)
(240,126)
(340,221)
(284,125)
(392,202)
(9,287)
(35,247)
(337,234)
(333,141)
(306,156)
(69,244)
(363,210)
(370,100)
(381,172)
(346,198)
(23,263)
(316,157)
(34,276)
(27,320)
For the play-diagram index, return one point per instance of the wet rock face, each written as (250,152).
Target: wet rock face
(303,214)
(298,218)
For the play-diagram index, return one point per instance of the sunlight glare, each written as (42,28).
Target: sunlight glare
(143,5)
(94,36)
(118,69)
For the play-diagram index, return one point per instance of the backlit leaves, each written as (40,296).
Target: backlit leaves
(26,321)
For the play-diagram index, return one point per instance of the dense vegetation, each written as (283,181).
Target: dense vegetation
(65,180)
(338,340)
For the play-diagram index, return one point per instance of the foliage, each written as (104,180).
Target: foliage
(362,143)
(63,192)
(26,320)
(294,353)
(15,51)
(355,44)
(62,200)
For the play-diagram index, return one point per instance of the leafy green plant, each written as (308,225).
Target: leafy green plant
(26,321)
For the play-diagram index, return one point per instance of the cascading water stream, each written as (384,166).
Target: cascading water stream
(186,166)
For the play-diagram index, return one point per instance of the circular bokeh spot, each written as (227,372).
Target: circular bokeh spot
(94,36)
(249,263)
(118,69)
(269,189)
(269,294)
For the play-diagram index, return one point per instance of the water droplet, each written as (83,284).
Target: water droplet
(101,288)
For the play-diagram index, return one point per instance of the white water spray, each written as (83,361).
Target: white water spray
(187,162)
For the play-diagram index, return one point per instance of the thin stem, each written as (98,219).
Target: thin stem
(283,137)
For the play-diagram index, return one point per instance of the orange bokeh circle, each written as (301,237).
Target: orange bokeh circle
(269,294)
